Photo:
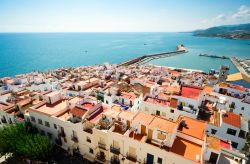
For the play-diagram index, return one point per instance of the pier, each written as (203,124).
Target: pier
(146,58)
(214,56)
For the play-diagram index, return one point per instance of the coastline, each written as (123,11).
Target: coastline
(244,75)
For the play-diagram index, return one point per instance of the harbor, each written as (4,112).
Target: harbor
(180,49)
(214,56)
(243,65)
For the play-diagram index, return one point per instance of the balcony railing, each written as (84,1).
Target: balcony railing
(59,141)
(74,138)
(88,130)
(115,150)
(100,158)
(3,120)
(131,157)
(61,134)
(102,145)
(114,160)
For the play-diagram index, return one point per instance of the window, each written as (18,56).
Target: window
(234,145)
(91,150)
(213,131)
(242,108)
(42,132)
(107,102)
(161,136)
(40,122)
(231,131)
(158,113)
(55,126)
(33,119)
(242,134)
(172,111)
(159,160)
(47,124)
(28,119)
(49,135)
(163,114)
(88,140)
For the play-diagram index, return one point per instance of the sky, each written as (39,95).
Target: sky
(120,15)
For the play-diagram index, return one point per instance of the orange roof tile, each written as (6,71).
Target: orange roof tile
(143,118)
(213,143)
(189,92)
(163,125)
(187,149)
(231,119)
(127,115)
(194,128)
(78,111)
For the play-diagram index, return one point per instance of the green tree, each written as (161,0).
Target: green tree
(21,140)
(35,147)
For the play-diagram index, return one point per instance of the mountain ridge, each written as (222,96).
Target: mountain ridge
(238,31)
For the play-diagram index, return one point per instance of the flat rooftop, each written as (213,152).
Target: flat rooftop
(187,149)
(194,128)
(163,125)
(157,101)
(232,119)
(190,92)
(112,113)
(52,109)
(143,118)
(79,112)
(127,115)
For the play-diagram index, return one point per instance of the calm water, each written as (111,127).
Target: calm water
(25,52)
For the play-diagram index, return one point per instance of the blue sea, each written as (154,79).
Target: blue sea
(25,52)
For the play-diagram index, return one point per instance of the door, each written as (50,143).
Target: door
(143,130)
(150,134)
(150,158)
(158,113)
(102,154)
(213,157)
(128,123)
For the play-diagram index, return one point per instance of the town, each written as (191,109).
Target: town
(133,114)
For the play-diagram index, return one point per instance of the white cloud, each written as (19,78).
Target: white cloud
(242,15)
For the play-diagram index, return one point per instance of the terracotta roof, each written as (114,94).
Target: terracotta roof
(143,118)
(213,143)
(189,92)
(78,111)
(157,101)
(231,119)
(127,115)
(173,103)
(194,128)
(163,125)
(187,149)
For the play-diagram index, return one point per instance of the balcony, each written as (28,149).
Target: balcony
(102,145)
(131,157)
(4,120)
(61,134)
(100,158)
(74,138)
(115,150)
(88,130)
(114,160)
(59,141)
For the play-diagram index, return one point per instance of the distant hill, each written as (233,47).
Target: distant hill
(240,31)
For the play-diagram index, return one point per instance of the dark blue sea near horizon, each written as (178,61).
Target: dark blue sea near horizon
(26,52)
